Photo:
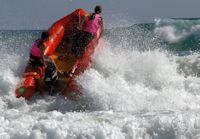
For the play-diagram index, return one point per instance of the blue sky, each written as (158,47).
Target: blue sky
(40,14)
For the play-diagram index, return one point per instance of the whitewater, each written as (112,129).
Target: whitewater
(143,84)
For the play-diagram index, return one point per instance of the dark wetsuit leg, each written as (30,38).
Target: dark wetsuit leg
(81,42)
(35,61)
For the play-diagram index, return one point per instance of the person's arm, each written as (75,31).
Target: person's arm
(42,48)
(101,23)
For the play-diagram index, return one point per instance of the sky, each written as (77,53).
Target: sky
(40,14)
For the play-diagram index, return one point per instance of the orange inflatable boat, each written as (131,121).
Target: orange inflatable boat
(58,51)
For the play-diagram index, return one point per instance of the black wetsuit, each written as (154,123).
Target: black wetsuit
(80,41)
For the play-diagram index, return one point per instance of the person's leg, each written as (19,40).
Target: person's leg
(76,37)
(35,61)
(88,37)
(81,41)
(85,40)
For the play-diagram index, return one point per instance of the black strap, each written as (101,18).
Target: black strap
(92,16)
(39,43)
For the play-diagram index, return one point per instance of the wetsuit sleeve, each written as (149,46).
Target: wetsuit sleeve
(101,23)
(42,48)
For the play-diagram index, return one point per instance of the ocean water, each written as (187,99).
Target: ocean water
(143,84)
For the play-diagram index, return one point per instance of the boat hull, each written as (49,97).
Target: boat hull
(58,49)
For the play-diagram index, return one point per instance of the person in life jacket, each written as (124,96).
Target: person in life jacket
(51,77)
(36,54)
(87,30)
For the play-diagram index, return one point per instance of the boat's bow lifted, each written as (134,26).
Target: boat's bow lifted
(58,51)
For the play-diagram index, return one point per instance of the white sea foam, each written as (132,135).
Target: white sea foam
(174,31)
(126,94)
(170,34)
(138,81)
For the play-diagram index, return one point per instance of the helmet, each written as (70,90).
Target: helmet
(45,35)
(98,9)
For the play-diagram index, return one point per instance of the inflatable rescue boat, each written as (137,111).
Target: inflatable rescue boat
(58,50)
